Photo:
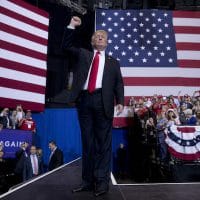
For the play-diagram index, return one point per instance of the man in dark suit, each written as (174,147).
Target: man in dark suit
(56,156)
(97,83)
(23,165)
(36,162)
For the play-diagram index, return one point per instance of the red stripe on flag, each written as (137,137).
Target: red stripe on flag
(188,46)
(23,34)
(189,30)
(182,156)
(30,7)
(161,81)
(21,18)
(186,14)
(13,84)
(12,103)
(189,63)
(23,50)
(22,67)
(186,129)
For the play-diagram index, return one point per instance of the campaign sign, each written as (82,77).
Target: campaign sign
(12,140)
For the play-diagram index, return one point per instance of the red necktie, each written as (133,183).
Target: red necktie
(93,73)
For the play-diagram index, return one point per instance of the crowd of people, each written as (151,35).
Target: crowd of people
(17,119)
(180,110)
(28,162)
(152,116)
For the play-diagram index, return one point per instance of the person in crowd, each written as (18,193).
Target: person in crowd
(56,156)
(39,153)
(132,102)
(23,166)
(97,83)
(190,119)
(187,101)
(3,173)
(121,160)
(5,118)
(157,105)
(196,106)
(27,123)
(161,134)
(181,113)
(172,117)
(197,113)
(170,103)
(1,123)
(14,119)
(20,112)
(150,127)
(36,162)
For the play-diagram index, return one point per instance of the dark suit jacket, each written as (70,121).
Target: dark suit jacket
(56,159)
(23,166)
(40,165)
(112,83)
(20,160)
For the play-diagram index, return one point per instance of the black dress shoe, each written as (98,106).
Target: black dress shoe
(100,192)
(82,188)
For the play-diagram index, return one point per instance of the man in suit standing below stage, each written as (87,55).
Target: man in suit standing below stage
(23,165)
(56,156)
(97,84)
(36,162)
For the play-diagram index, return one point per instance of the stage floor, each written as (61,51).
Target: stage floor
(57,185)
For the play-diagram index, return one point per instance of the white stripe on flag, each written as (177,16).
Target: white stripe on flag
(9,55)
(160,72)
(188,55)
(22,95)
(164,90)
(21,76)
(23,42)
(25,12)
(186,22)
(23,26)
(181,37)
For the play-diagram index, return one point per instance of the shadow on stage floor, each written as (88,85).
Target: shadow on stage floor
(57,185)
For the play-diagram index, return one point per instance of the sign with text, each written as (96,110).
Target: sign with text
(12,140)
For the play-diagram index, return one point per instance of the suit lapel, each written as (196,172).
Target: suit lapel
(106,69)
(85,70)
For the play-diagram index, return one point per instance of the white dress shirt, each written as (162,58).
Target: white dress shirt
(34,163)
(100,71)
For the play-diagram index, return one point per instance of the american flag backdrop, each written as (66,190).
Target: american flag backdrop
(23,55)
(159,51)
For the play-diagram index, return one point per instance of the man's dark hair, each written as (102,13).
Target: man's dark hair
(52,142)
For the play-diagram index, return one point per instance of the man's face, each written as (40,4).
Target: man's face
(51,146)
(99,40)
(24,145)
(33,150)
(28,115)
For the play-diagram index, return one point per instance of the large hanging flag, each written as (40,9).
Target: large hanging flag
(23,55)
(159,51)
